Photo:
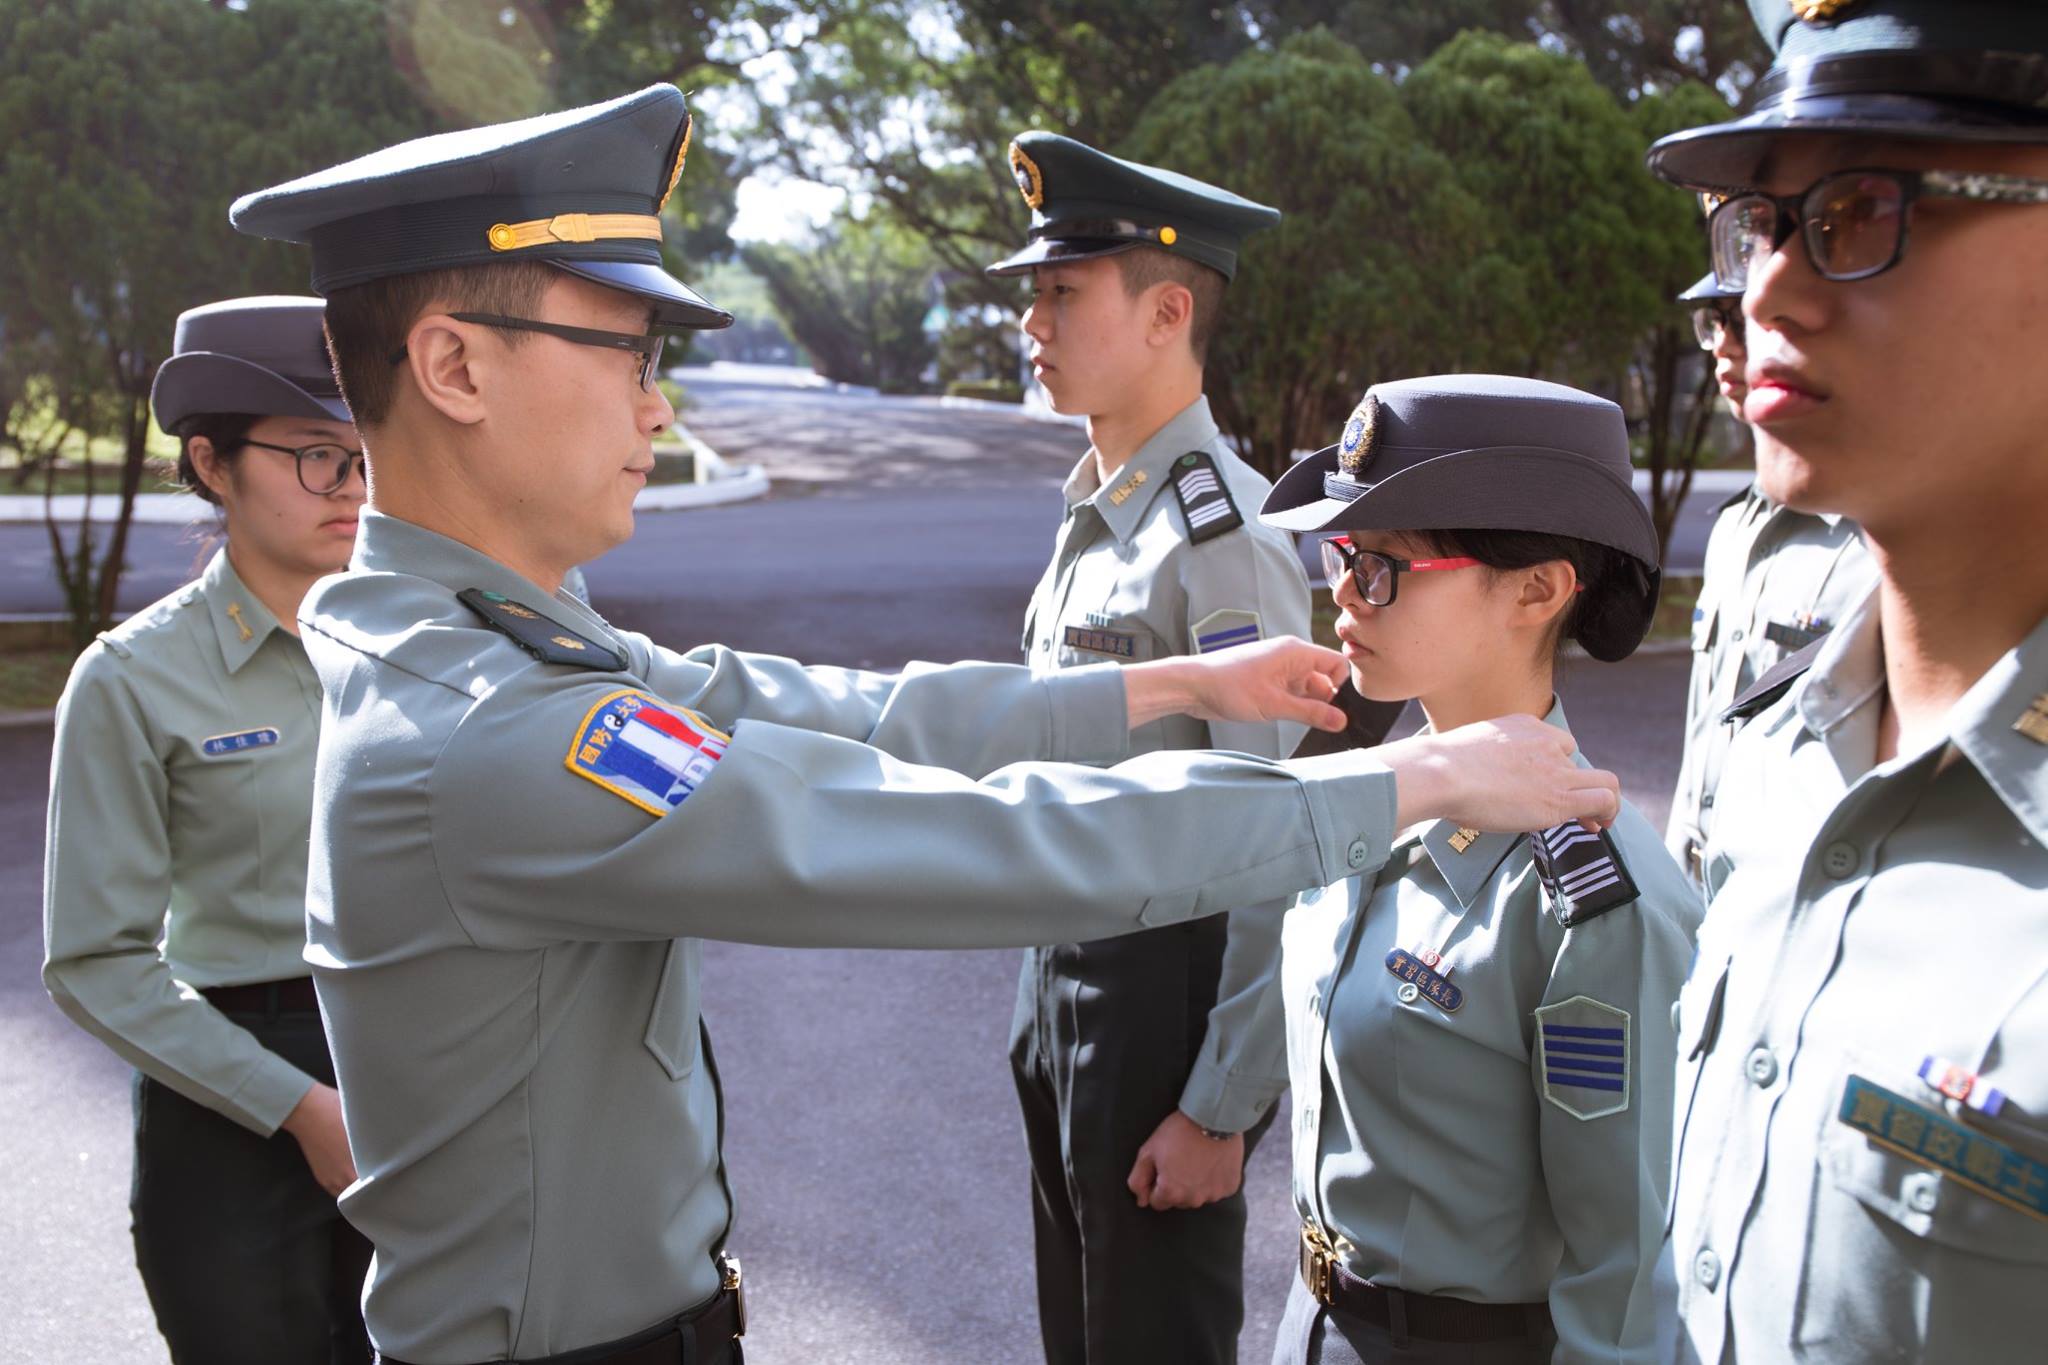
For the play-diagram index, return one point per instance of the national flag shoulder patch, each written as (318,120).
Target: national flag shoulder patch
(1204,499)
(638,747)
(1582,873)
(1223,629)
(1582,1056)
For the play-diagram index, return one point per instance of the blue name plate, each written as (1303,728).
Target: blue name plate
(236,743)
(1980,1164)
(1438,991)
(1115,643)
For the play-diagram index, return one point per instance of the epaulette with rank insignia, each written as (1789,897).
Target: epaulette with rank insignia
(1204,500)
(541,636)
(1582,873)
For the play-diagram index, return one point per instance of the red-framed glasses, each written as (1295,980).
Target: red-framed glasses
(1378,576)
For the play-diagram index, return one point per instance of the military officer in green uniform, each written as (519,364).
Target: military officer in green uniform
(1479,1032)
(174,925)
(1775,581)
(1141,1104)
(1862,1136)
(525,820)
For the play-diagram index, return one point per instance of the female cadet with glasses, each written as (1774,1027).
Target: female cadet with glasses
(174,885)
(1479,1031)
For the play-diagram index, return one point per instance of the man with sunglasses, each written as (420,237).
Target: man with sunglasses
(1862,1168)
(1775,581)
(525,821)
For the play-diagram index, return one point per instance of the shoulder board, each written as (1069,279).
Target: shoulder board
(1204,497)
(1774,684)
(1366,724)
(541,636)
(1582,873)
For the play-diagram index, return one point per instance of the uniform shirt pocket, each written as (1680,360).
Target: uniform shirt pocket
(672,1022)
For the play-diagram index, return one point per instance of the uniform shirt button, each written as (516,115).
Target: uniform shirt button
(1736,635)
(1921,1194)
(1674,1016)
(1761,1066)
(1706,1268)
(1358,855)
(1045,644)
(1839,860)
(1408,992)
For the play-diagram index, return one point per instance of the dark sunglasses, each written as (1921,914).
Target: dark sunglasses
(647,346)
(1853,223)
(322,468)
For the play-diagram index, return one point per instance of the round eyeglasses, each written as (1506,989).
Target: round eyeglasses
(1378,576)
(1716,319)
(1852,223)
(322,468)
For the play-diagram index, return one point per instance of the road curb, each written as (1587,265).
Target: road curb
(22,720)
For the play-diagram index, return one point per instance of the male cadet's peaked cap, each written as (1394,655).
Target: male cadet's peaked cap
(1954,70)
(582,190)
(1086,203)
(262,356)
(1706,288)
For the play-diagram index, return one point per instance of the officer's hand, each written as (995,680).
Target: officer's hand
(316,1123)
(1512,775)
(1281,679)
(1179,1168)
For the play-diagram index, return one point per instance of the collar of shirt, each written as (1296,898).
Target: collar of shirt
(240,622)
(1771,509)
(1467,872)
(1122,504)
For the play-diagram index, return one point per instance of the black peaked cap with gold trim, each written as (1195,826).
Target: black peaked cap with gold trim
(582,190)
(1954,70)
(1086,203)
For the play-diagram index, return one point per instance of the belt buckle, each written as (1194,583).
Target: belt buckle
(1318,1260)
(729,1278)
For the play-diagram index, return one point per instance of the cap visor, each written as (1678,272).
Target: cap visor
(1057,251)
(676,305)
(207,381)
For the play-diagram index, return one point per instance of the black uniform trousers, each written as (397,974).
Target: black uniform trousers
(246,1259)
(1104,1037)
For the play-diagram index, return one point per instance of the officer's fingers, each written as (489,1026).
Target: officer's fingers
(1594,799)
(1308,711)
(1143,1174)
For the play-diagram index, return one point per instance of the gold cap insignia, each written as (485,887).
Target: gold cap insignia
(1819,11)
(682,151)
(1167,236)
(569,642)
(1030,183)
(2033,722)
(1361,435)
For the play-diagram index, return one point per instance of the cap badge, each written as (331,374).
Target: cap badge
(2033,722)
(682,151)
(1030,183)
(1819,11)
(1361,435)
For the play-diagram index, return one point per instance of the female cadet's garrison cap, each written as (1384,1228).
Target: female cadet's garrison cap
(1086,203)
(1480,452)
(582,190)
(263,356)
(1954,70)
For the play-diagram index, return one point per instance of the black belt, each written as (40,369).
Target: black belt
(265,997)
(700,1337)
(1430,1317)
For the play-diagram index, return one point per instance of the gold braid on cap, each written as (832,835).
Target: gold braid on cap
(573,227)
(1819,11)
(682,150)
(1030,183)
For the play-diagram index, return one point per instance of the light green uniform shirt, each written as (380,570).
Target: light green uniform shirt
(1775,580)
(1433,1146)
(507,951)
(179,794)
(1830,1203)
(1127,582)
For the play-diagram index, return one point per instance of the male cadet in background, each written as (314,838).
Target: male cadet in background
(1141,1091)
(524,820)
(1776,580)
(1862,1137)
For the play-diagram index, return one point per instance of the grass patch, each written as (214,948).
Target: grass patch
(106,479)
(32,679)
(673,466)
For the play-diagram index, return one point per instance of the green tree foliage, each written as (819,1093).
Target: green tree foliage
(856,300)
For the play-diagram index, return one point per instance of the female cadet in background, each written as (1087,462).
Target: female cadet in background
(174,883)
(1479,1031)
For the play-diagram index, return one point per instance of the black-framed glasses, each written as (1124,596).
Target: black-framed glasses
(323,467)
(1853,222)
(1378,576)
(1714,319)
(646,345)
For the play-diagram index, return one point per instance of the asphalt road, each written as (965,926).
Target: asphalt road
(872,1140)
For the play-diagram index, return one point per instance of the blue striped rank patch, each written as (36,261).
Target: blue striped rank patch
(1582,1056)
(220,745)
(652,754)
(1222,629)
(1980,1164)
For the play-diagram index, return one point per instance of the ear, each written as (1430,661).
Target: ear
(1173,312)
(1546,590)
(209,465)
(448,367)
